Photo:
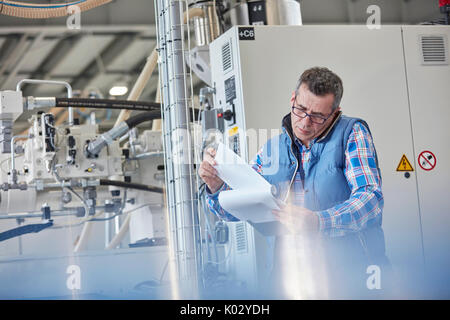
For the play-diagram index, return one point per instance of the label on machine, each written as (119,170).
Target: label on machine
(404,164)
(246,33)
(427,160)
(230,89)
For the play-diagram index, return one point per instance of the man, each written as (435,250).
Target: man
(329,177)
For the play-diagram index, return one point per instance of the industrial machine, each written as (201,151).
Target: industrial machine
(67,189)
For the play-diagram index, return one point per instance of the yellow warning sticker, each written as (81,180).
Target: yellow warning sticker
(404,165)
(233,131)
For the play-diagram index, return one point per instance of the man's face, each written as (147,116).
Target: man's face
(305,129)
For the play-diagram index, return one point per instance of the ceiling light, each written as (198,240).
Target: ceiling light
(118,90)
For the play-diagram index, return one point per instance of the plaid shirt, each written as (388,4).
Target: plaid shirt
(366,200)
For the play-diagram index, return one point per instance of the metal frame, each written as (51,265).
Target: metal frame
(182,204)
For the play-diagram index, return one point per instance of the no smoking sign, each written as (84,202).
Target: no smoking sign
(427,160)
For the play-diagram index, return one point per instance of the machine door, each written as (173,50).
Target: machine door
(428,72)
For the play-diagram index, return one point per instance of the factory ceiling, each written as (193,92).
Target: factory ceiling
(115,39)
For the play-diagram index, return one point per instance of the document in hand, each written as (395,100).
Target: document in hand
(251,198)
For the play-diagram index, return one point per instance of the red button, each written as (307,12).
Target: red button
(219,115)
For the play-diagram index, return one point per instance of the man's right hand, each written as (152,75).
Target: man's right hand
(207,171)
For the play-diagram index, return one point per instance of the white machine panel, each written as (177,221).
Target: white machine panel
(429,95)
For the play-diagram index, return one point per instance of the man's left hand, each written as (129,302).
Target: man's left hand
(298,219)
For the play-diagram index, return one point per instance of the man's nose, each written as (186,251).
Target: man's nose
(306,121)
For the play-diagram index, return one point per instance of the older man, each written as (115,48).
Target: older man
(328,175)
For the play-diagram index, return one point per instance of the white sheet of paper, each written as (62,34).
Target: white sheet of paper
(251,197)
(235,171)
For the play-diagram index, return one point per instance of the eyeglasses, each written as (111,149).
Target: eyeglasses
(314,118)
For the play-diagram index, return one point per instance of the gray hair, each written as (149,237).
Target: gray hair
(322,81)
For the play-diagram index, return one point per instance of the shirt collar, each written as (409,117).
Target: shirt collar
(326,132)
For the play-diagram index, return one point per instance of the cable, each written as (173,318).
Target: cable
(59,180)
(38,6)
(107,104)
(151,115)
(143,117)
(203,186)
(44,11)
(208,226)
(130,185)
(94,147)
(16,232)
(86,207)
(219,8)
(8,159)
(124,213)
(76,223)
(51,137)
(93,219)
(227,257)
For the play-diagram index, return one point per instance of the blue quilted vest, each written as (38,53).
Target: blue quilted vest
(325,182)
(325,185)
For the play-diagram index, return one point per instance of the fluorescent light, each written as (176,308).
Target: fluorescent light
(118,90)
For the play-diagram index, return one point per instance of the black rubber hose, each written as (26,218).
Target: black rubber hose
(107,104)
(130,185)
(142,117)
(151,115)
(115,104)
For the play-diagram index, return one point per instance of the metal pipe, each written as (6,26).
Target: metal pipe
(124,137)
(13,164)
(147,155)
(120,234)
(84,236)
(65,184)
(39,102)
(139,86)
(64,83)
(38,214)
(94,147)
(107,229)
(180,175)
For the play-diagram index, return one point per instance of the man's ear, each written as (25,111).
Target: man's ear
(292,97)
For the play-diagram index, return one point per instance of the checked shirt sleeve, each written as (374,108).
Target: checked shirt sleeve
(365,205)
(213,198)
(214,206)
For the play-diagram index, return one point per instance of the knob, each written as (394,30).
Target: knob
(228,115)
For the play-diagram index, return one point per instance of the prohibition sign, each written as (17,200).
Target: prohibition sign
(427,160)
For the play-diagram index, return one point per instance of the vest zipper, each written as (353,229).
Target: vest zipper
(293,176)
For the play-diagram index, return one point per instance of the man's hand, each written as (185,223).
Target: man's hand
(207,171)
(298,219)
